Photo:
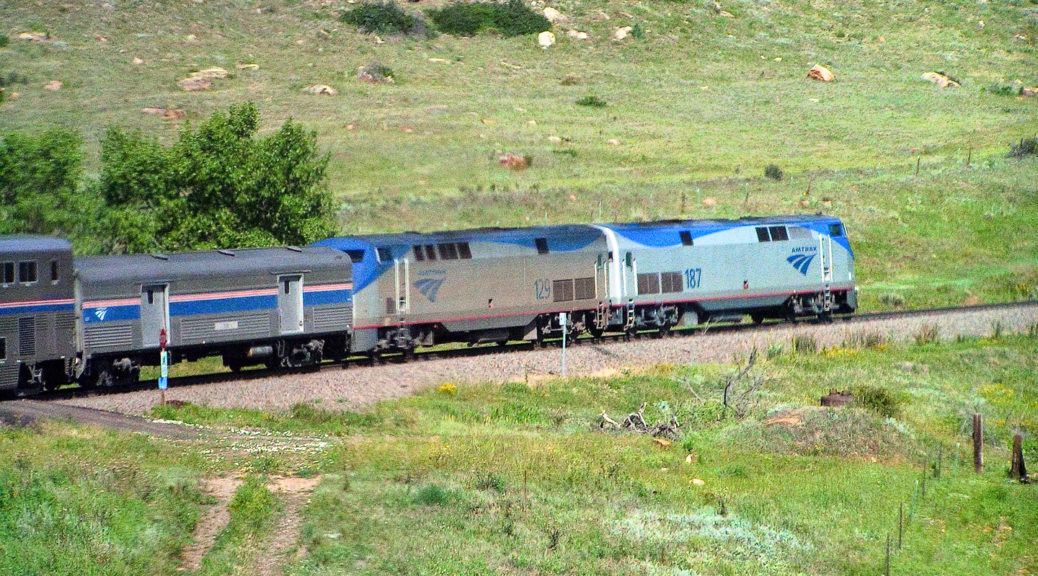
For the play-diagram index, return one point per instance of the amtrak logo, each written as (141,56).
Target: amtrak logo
(100,313)
(801,262)
(429,285)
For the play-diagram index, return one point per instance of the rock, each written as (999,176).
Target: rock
(576,35)
(195,84)
(321,90)
(613,142)
(709,202)
(137,61)
(621,33)
(513,161)
(553,15)
(698,482)
(33,36)
(554,139)
(662,442)
(822,73)
(211,73)
(940,79)
(249,67)
(1029,91)
(545,39)
(53,85)
(835,398)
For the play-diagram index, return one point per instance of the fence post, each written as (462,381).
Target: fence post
(978,443)
(940,457)
(1018,471)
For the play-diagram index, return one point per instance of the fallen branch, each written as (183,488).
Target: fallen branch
(605,420)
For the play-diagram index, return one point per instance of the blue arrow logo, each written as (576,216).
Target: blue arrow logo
(801,262)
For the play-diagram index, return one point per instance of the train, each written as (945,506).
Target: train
(97,320)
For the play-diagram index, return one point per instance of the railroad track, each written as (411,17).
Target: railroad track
(518,347)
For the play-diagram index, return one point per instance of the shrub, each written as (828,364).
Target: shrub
(1002,89)
(384,18)
(1026,147)
(434,495)
(592,102)
(637,32)
(878,400)
(4,40)
(468,19)
(804,345)
(773,171)
(375,73)
(893,300)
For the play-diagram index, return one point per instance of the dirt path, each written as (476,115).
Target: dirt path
(295,495)
(214,520)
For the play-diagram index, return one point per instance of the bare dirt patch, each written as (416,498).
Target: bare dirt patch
(295,495)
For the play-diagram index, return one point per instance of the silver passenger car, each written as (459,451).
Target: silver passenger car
(277,306)
(37,315)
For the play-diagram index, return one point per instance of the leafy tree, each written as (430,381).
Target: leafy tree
(39,183)
(219,186)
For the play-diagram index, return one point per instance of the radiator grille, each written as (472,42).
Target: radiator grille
(27,336)
(195,330)
(104,336)
(333,318)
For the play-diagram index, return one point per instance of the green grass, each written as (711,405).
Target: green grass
(699,106)
(515,477)
(79,501)
(252,510)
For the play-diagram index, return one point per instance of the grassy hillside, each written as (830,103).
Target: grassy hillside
(516,478)
(697,104)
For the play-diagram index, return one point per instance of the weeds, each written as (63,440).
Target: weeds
(892,300)
(434,495)
(803,344)
(773,171)
(1026,147)
(927,334)
(375,73)
(867,340)
(592,101)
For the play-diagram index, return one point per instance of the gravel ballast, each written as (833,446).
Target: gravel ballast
(361,386)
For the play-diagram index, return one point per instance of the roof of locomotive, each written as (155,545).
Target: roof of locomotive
(185,265)
(491,234)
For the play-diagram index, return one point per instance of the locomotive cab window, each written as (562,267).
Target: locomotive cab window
(430,252)
(762,235)
(448,251)
(419,254)
(7,273)
(542,245)
(778,233)
(355,255)
(3,348)
(385,255)
(54,276)
(835,230)
(686,238)
(27,272)
(464,251)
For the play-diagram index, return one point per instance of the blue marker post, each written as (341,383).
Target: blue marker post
(163,365)
(562,322)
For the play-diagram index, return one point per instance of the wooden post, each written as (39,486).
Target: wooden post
(900,524)
(918,159)
(969,157)
(940,457)
(978,443)
(887,571)
(1018,470)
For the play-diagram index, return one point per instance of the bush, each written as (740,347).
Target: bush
(592,102)
(4,40)
(773,171)
(508,19)
(384,18)
(39,183)
(1026,147)
(375,73)
(215,187)
(927,334)
(434,495)
(878,400)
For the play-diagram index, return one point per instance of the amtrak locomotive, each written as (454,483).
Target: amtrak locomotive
(97,320)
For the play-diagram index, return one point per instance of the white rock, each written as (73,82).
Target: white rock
(577,35)
(553,15)
(545,39)
(622,33)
